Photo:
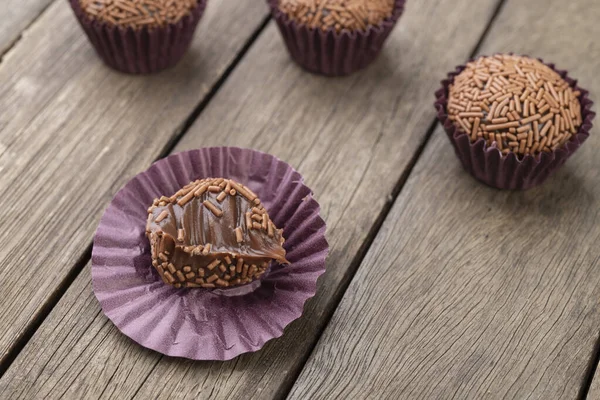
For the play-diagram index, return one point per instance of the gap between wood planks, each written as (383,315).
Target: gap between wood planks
(590,373)
(74,272)
(17,39)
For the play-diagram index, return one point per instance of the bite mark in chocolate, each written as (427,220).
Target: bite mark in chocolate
(203,227)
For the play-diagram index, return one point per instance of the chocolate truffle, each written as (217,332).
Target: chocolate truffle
(351,15)
(138,13)
(213,232)
(517,103)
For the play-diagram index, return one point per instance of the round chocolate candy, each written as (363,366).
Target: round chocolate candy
(517,103)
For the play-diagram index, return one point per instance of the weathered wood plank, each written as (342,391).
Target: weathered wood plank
(352,138)
(17,15)
(471,292)
(72,131)
(76,345)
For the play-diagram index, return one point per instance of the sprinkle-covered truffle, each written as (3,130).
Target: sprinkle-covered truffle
(138,13)
(213,232)
(338,14)
(516,102)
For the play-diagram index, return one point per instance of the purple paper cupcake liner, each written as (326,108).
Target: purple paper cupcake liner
(144,50)
(331,53)
(197,323)
(487,163)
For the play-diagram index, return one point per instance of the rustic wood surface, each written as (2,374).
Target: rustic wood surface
(471,292)
(73,131)
(347,136)
(466,291)
(15,17)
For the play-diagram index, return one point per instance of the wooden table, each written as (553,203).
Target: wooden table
(436,286)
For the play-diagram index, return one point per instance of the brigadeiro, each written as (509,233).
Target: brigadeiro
(213,232)
(190,260)
(513,120)
(139,36)
(335,37)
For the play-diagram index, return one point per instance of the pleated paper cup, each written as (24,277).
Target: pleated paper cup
(334,53)
(197,323)
(143,50)
(487,163)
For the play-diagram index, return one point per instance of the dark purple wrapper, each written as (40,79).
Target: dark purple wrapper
(203,324)
(488,165)
(141,51)
(331,53)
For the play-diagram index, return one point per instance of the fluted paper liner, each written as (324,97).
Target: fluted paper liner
(334,53)
(197,323)
(488,165)
(144,50)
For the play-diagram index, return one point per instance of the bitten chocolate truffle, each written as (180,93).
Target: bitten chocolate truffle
(213,232)
(138,13)
(337,14)
(516,102)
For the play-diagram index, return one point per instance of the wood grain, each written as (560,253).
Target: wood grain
(15,17)
(352,138)
(72,131)
(471,292)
